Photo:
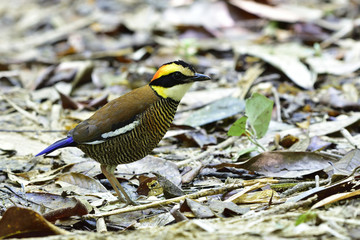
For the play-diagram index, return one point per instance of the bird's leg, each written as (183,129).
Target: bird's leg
(108,171)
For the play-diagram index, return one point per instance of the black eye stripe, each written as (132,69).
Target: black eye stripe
(169,80)
(177,75)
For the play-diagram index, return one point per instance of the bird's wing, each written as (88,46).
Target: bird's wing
(114,118)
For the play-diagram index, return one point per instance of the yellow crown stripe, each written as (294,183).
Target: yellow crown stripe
(170,68)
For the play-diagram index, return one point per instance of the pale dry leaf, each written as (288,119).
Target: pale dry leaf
(283,13)
(287,62)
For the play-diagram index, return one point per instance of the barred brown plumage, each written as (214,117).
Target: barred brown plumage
(157,118)
(129,127)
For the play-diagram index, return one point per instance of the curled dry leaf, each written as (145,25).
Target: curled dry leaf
(79,209)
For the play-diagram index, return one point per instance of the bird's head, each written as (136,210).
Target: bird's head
(173,79)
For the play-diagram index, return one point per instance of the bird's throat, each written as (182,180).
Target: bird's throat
(176,92)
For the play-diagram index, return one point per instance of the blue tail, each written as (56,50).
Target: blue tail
(65,142)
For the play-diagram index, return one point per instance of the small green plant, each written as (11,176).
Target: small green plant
(305,217)
(255,123)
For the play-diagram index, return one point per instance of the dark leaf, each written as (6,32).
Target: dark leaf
(20,222)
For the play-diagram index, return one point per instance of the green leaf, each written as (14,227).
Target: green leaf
(308,216)
(245,151)
(239,127)
(259,108)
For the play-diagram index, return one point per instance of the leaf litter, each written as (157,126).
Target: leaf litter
(296,177)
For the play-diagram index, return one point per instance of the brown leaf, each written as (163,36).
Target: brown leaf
(288,141)
(149,186)
(22,222)
(287,164)
(44,77)
(67,102)
(79,209)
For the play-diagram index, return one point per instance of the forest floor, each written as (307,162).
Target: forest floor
(285,72)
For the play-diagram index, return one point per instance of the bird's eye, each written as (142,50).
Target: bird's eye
(176,75)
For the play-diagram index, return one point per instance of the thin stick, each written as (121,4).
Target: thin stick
(277,104)
(20,110)
(349,138)
(203,193)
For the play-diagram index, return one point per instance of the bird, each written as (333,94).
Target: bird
(129,127)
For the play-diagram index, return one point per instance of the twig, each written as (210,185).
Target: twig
(253,139)
(348,137)
(342,32)
(203,193)
(286,207)
(244,191)
(100,223)
(23,197)
(340,220)
(277,104)
(20,110)
(302,186)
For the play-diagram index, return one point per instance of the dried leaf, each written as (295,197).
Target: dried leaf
(150,164)
(199,210)
(20,222)
(336,198)
(287,62)
(215,111)
(82,181)
(227,209)
(287,164)
(79,209)
(283,13)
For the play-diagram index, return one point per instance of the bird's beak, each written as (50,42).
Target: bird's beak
(200,77)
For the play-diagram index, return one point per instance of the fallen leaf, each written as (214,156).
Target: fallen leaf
(335,198)
(215,111)
(150,164)
(287,164)
(18,222)
(79,209)
(287,62)
(198,209)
